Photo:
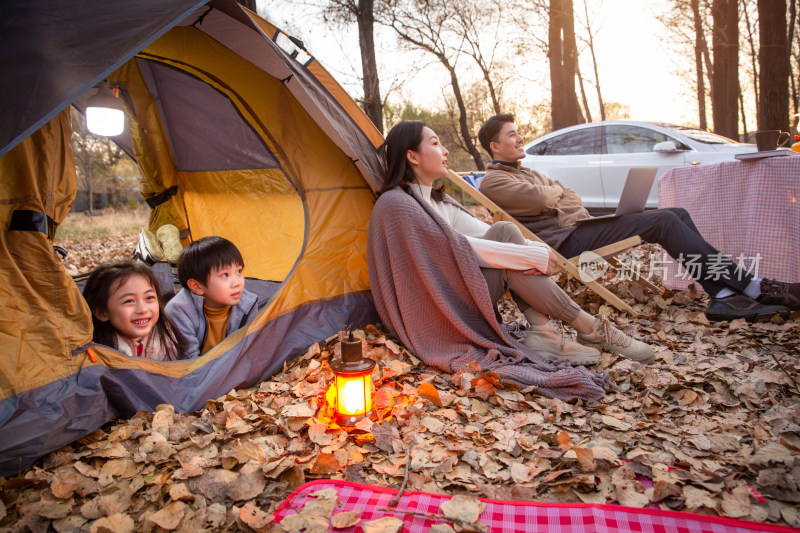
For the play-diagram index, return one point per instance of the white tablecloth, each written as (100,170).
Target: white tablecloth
(749,210)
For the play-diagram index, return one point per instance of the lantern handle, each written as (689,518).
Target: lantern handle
(348,331)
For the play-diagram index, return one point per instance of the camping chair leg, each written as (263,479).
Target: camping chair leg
(609,252)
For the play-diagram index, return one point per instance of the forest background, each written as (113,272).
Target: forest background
(728,66)
(731,65)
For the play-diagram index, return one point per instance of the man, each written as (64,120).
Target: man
(551,209)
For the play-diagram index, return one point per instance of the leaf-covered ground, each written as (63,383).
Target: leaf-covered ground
(713,426)
(106,237)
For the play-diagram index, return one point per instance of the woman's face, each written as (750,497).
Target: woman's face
(429,161)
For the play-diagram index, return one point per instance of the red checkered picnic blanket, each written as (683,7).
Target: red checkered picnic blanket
(748,209)
(516,516)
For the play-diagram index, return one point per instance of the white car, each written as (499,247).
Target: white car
(594,158)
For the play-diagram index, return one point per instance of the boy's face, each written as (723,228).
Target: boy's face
(223,287)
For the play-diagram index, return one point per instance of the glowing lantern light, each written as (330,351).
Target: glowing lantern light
(351,392)
(104,114)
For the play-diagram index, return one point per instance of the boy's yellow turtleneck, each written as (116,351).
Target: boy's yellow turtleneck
(217,319)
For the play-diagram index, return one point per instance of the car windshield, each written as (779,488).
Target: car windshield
(705,137)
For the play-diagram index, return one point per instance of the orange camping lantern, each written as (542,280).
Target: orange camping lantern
(351,392)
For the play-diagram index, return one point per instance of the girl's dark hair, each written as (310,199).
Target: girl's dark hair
(404,136)
(98,289)
(203,255)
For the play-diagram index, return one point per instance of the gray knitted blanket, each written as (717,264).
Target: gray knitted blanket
(429,290)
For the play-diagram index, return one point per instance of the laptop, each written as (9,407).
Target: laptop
(634,194)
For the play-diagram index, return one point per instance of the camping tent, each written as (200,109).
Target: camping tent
(238,132)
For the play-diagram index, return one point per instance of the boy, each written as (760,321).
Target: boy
(213,302)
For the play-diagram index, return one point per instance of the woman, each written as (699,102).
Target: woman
(436,273)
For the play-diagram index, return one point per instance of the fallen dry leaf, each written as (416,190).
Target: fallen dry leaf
(325,463)
(179,492)
(387,524)
(585,458)
(345,519)
(736,503)
(253,516)
(429,392)
(170,516)
(463,507)
(118,523)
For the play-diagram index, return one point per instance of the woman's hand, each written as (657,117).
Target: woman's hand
(552,261)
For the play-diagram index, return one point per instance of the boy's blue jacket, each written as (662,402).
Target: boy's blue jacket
(186,310)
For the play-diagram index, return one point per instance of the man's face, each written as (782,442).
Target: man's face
(509,144)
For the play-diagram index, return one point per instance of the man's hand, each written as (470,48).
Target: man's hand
(552,261)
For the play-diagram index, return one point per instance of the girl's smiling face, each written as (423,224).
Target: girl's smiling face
(132,307)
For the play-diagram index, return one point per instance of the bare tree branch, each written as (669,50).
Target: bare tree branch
(427,30)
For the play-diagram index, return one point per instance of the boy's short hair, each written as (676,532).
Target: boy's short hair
(491,129)
(204,255)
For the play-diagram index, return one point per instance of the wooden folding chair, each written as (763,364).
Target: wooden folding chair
(570,265)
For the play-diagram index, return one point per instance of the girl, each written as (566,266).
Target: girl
(128,313)
(436,272)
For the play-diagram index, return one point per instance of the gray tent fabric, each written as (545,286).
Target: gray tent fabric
(428,288)
(52,51)
(331,118)
(213,135)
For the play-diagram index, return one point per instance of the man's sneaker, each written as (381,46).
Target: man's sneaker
(551,343)
(609,338)
(148,250)
(780,293)
(740,306)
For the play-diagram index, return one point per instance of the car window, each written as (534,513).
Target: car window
(628,139)
(576,142)
(706,137)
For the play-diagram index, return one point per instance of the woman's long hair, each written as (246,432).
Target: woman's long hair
(404,136)
(107,278)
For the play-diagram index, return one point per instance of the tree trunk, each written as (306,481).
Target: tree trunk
(753,55)
(462,115)
(744,115)
(773,56)
(594,65)
(794,72)
(89,181)
(699,45)
(725,87)
(706,59)
(587,112)
(373,105)
(492,92)
(563,60)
